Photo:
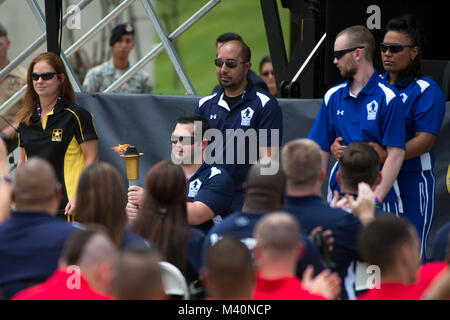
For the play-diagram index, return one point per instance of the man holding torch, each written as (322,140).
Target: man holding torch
(210,188)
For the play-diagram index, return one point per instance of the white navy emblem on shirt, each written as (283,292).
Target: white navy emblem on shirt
(242,221)
(404,96)
(217,219)
(246,116)
(372,109)
(340,112)
(213,116)
(194,186)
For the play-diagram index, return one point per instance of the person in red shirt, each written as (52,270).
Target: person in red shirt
(431,273)
(393,245)
(85,270)
(278,246)
(427,273)
(439,289)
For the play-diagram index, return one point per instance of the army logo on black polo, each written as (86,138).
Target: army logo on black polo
(57,135)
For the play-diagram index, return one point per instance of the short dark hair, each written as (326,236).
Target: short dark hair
(230,275)
(188,119)
(359,35)
(75,244)
(379,241)
(139,275)
(412,27)
(228,36)
(264,60)
(359,163)
(246,53)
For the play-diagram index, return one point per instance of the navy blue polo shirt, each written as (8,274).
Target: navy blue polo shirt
(30,246)
(376,115)
(213,186)
(194,254)
(242,225)
(424,110)
(256,110)
(311,212)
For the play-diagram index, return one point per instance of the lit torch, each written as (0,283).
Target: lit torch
(131,156)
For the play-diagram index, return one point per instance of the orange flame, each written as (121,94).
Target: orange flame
(121,148)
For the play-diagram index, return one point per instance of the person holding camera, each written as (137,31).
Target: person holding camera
(263,194)
(304,174)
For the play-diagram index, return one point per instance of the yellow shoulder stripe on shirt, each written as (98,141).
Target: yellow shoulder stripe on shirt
(79,122)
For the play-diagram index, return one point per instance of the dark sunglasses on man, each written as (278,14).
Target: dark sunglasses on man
(340,53)
(184,140)
(394,48)
(230,63)
(45,76)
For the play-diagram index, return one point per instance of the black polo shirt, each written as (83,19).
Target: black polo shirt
(58,140)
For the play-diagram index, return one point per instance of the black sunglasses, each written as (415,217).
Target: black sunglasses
(230,63)
(44,76)
(394,48)
(184,140)
(340,53)
(266,73)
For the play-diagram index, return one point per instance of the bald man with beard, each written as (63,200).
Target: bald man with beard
(262,194)
(31,240)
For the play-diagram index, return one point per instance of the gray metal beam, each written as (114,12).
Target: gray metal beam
(173,56)
(34,6)
(36,44)
(156,50)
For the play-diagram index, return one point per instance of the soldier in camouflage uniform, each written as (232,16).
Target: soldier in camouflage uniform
(101,77)
(13,82)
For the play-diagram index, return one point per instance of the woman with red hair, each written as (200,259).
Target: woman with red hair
(53,127)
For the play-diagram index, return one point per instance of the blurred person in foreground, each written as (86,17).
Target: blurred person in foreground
(31,240)
(278,247)
(85,270)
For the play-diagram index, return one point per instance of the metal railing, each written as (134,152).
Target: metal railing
(157,49)
(166,44)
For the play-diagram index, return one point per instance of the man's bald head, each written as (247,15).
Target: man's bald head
(35,184)
(264,191)
(278,232)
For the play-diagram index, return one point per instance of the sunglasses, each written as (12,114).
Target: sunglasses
(44,76)
(267,73)
(394,48)
(340,53)
(184,140)
(230,63)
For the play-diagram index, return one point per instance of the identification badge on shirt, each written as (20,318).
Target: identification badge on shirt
(246,116)
(57,135)
(372,109)
(194,186)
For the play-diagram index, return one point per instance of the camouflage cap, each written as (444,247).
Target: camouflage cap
(118,31)
(3,32)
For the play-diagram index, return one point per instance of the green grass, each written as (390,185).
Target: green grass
(196,47)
